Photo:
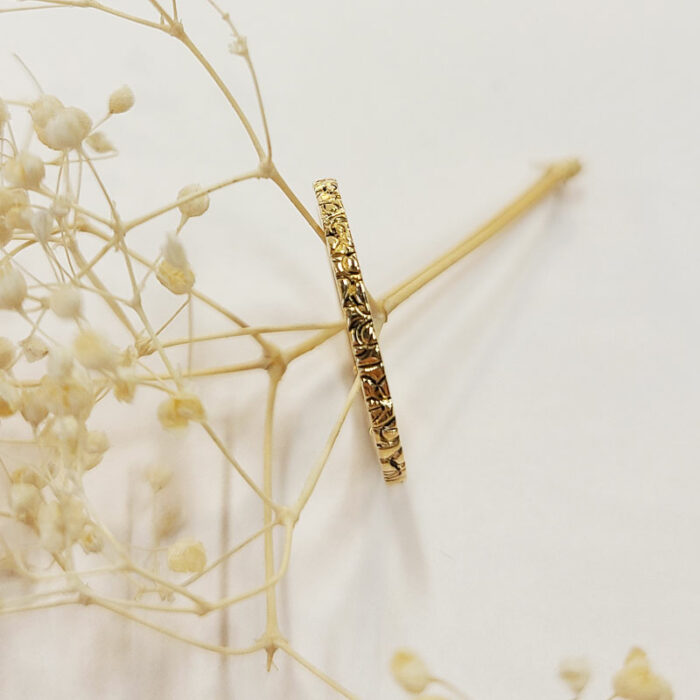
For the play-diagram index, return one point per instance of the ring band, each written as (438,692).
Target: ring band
(361,330)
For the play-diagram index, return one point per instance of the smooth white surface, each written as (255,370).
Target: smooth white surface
(547,387)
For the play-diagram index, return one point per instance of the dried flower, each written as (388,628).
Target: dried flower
(91,539)
(187,556)
(33,407)
(125,384)
(61,206)
(159,476)
(178,410)
(239,46)
(7,353)
(60,362)
(51,532)
(121,100)
(34,348)
(27,475)
(409,671)
(174,271)
(25,500)
(196,206)
(9,397)
(44,109)
(25,170)
(65,301)
(15,212)
(13,288)
(41,223)
(72,396)
(99,142)
(636,680)
(94,352)
(96,444)
(74,518)
(144,345)
(61,128)
(575,672)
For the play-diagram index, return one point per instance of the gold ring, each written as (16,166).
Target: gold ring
(353,297)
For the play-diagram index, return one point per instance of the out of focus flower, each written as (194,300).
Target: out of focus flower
(575,672)
(409,671)
(178,410)
(13,288)
(24,170)
(121,100)
(636,680)
(187,556)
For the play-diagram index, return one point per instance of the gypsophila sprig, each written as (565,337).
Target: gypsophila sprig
(115,349)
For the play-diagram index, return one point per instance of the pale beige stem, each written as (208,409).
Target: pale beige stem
(554,176)
(316,472)
(317,672)
(271,622)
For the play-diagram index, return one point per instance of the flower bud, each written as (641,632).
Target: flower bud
(15,213)
(125,384)
(44,109)
(121,100)
(65,301)
(196,206)
(159,476)
(74,518)
(7,353)
(409,671)
(636,680)
(10,399)
(96,444)
(178,410)
(25,170)
(58,127)
(94,352)
(576,673)
(187,556)
(176,279)
(60,363)
(13,288)
(41,223)
(25,500)
(91,539)
(50,523)
(99,143)
(33,407)
(28,475)
(61,206)
(34,348)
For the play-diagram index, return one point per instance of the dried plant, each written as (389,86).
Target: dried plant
(634,681)
(56,368)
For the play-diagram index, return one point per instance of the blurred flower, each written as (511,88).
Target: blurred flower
(187,556)
(178,410)
(409,671)
(636,680)
(121,100)
(575,672)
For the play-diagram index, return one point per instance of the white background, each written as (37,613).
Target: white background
(546,387)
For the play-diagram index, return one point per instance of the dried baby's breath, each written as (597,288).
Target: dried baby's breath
(53,387)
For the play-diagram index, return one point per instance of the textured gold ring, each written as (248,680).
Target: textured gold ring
(353,297)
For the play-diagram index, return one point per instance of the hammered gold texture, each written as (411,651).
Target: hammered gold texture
(361,331)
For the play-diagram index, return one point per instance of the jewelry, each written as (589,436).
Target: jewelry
(361,330)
